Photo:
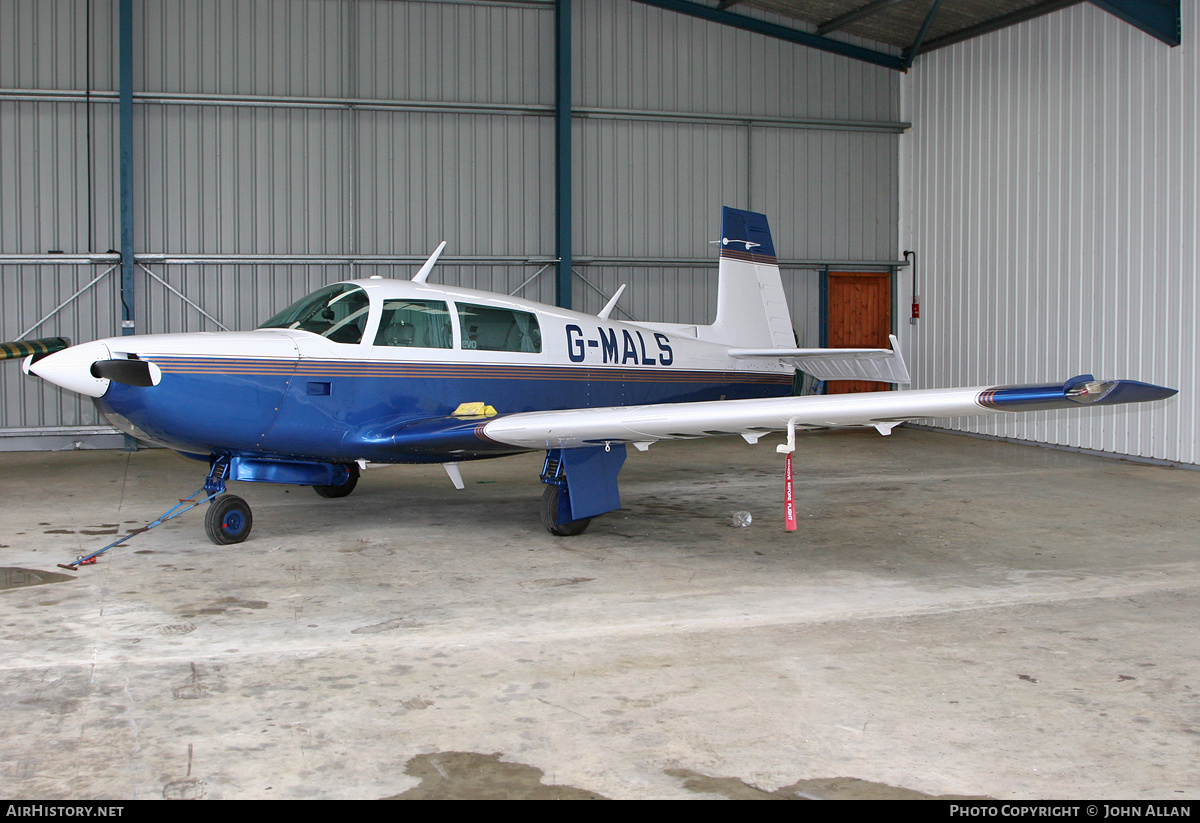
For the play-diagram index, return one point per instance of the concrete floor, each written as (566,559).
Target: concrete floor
(954,617)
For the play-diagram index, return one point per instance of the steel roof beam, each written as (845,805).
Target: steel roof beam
(915,49)
(797,36)
(997,23)
(1158,18)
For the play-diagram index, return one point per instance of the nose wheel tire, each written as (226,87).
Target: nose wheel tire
(228,520)
(549,512)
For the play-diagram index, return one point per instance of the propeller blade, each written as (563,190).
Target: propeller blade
(38,348)
(129,372)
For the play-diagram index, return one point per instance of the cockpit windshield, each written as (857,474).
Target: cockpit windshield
(338,312)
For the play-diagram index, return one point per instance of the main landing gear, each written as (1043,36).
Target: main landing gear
(580,484)
(550,509)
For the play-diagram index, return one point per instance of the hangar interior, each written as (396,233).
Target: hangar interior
(1038,172)
(1026,175)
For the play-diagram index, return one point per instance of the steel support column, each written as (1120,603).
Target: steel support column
(125,118)
(562,152)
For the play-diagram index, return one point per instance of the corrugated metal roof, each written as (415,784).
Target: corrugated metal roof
(897,22)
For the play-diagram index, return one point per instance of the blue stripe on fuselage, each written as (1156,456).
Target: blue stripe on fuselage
(342,410)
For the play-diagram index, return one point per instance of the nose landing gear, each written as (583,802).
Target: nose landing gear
(228,520)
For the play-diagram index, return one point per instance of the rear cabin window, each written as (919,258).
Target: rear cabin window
(338,312)
(415,323)
(491,329)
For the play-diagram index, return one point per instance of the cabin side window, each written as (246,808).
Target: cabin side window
(415,323)
(491,329)
(338,312)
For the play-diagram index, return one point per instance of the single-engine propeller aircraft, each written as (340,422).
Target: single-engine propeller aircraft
(389,371)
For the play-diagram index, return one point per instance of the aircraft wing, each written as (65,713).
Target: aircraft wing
(642,425)
(839,364)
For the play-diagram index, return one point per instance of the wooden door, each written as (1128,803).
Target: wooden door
(859,317)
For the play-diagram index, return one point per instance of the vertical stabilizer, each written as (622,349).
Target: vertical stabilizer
(752,309)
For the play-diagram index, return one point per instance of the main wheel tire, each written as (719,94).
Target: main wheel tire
(228,520)
(342,490)
(549,512)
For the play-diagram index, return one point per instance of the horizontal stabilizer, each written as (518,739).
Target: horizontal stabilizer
(839,364)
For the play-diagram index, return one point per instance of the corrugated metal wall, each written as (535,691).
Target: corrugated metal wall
(305,130)
(1053,203)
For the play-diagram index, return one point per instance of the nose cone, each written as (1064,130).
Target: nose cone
(72,368)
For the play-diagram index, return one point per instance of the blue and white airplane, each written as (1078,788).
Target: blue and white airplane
(388,371)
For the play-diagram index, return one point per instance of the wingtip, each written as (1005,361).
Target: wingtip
(1083,390)
(1134,391)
